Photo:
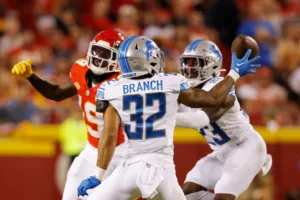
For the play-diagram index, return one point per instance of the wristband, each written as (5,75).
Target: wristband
(100,173)
(233,74)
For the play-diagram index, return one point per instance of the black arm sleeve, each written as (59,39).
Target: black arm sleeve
(101,106)
(50,90)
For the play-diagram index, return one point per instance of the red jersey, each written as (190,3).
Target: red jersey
(87,102)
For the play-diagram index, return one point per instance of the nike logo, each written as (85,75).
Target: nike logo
(240,64)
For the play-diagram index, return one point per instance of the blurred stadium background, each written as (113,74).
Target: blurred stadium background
(35,133)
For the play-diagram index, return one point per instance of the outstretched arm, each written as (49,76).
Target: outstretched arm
(216,113)
(197,98)
(108,140)
(47,89)
(201,118)
(50,90)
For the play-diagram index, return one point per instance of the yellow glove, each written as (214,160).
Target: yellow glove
(22,69)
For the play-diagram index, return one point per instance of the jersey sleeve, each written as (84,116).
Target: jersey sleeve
(77,69)
(101,92)
(184,108)
(108,90)
(193,120)
(184,84)
(73,73)
(214,81)
(178,83)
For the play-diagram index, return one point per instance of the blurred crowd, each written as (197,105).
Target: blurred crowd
(55,33)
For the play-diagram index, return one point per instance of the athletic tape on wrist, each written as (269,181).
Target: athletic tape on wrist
(233,74)
(100,173)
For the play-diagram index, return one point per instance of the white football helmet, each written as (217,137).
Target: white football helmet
(201,61)
(102,53)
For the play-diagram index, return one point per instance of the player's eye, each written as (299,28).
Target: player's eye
(104,54)
(190,62)
(101,52)
(104,64)
(96,62)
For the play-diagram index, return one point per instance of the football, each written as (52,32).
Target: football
(242,43)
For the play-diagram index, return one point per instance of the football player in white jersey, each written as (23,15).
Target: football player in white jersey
(239,151)
(145,103)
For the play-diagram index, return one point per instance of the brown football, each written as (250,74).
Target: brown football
(242,43)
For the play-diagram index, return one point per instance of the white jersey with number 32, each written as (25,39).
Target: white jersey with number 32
(147,108)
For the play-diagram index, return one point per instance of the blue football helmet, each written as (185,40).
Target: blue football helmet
(139,55)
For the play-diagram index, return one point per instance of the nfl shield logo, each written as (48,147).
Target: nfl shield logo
(87,92)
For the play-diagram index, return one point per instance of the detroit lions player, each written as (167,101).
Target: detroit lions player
(239,151)
(145,103)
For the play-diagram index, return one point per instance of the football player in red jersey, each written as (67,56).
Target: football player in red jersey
(87,75)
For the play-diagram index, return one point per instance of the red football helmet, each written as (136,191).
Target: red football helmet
(102,53)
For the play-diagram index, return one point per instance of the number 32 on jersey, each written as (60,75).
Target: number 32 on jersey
(144,127)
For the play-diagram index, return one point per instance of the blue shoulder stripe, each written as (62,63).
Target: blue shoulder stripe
(100,93)
(184,86)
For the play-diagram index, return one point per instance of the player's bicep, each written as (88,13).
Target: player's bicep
(196,98)
(216,113)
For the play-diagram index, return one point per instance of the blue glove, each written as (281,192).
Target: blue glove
(87,184)
(243,66)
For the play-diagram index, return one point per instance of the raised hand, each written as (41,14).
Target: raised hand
(244,66)
(22,69)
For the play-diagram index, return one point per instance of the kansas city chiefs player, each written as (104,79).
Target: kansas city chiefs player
(87,75)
